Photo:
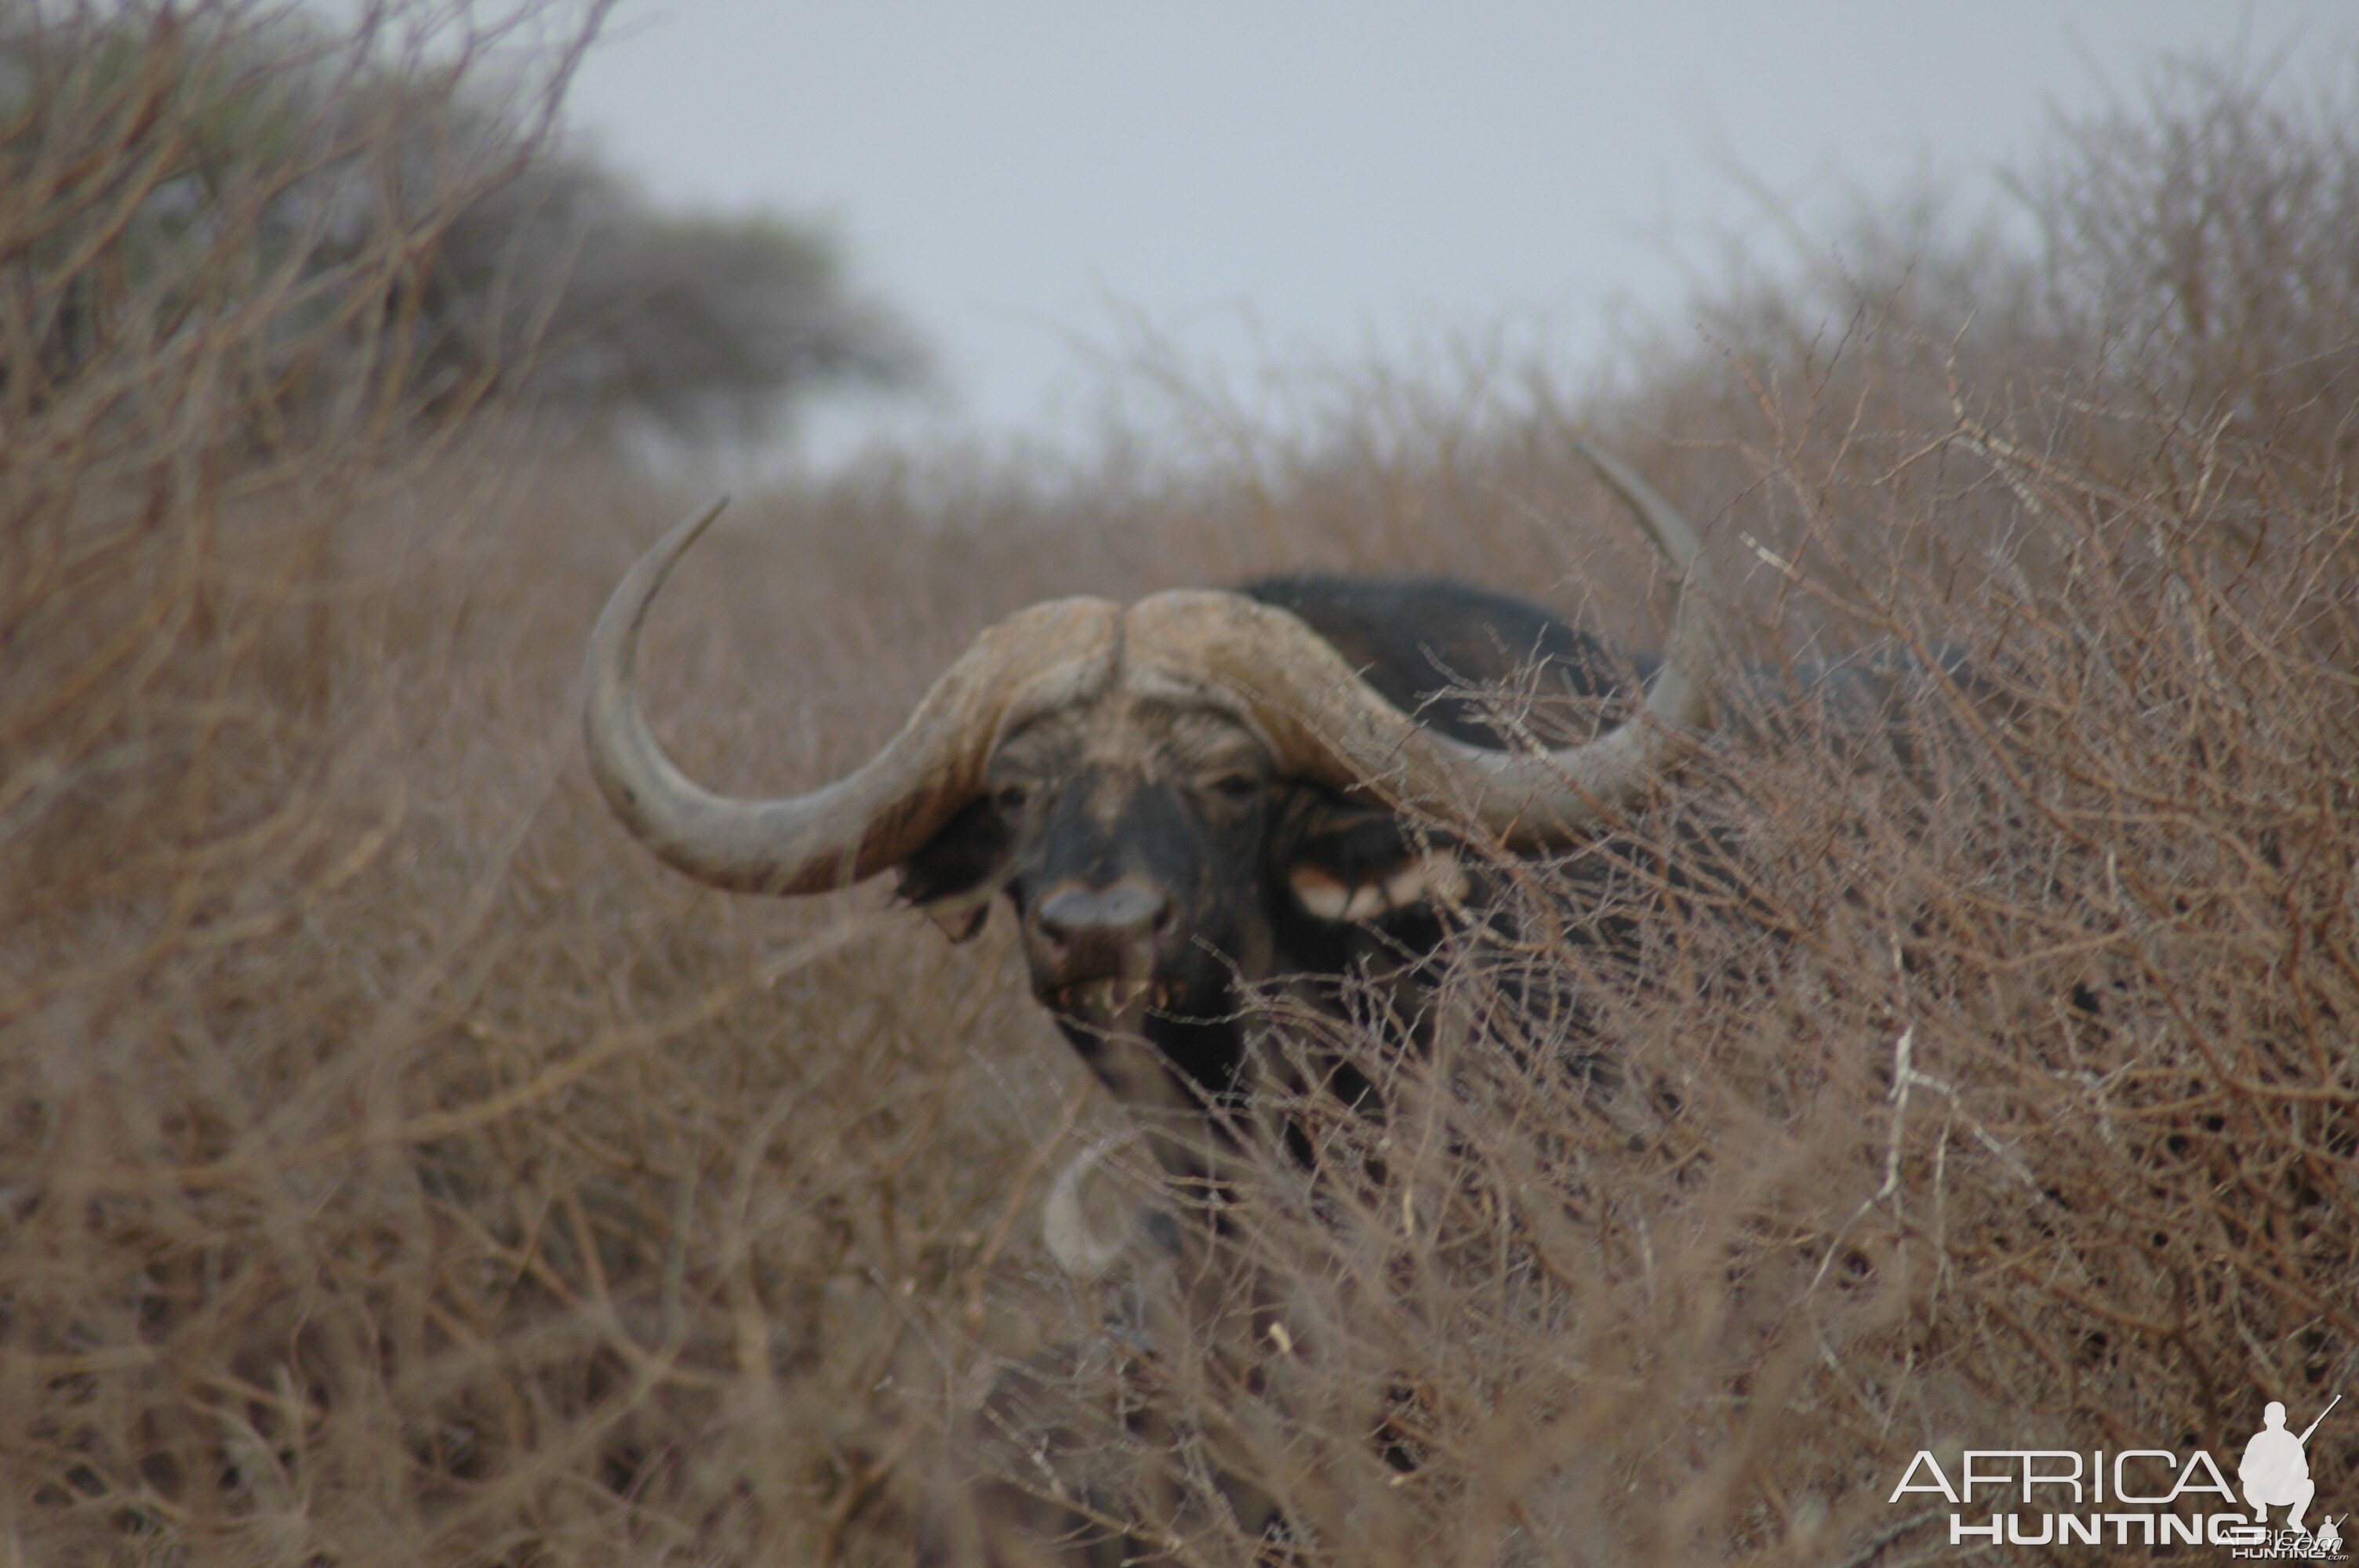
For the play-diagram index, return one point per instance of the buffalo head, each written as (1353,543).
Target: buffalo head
(1173,794)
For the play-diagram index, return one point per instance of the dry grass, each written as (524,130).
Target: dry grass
(398,1167)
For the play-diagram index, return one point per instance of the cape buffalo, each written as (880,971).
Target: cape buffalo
(1196,791)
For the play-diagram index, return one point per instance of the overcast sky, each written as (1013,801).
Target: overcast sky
(1305,178)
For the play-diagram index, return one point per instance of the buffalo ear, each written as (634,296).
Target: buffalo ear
(958,918)
(1342,861)
(954,874)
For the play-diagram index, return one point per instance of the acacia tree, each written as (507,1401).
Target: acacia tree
(407,220)
(605,308)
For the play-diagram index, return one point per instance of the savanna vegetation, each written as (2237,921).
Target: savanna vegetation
(396,1166)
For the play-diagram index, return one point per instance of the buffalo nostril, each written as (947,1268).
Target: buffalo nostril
(1123,911)
(1081,934)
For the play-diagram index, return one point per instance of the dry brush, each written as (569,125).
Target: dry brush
(395,1167)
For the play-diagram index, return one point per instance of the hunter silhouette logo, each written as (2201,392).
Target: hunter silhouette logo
(2153,1498)
(2276,1469)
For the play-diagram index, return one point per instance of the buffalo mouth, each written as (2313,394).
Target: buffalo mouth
(1157,1042)
(1111,1003)
(1167,1002)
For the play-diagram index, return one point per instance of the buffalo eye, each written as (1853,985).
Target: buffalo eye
(1010,798)
(1236,789)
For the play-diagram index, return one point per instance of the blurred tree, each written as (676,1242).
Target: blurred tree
(605,308)
(166,169)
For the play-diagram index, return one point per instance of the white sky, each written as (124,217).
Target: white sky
(1313,178)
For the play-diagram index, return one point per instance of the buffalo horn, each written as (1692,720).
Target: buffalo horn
(1042,658)
(1325,725)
